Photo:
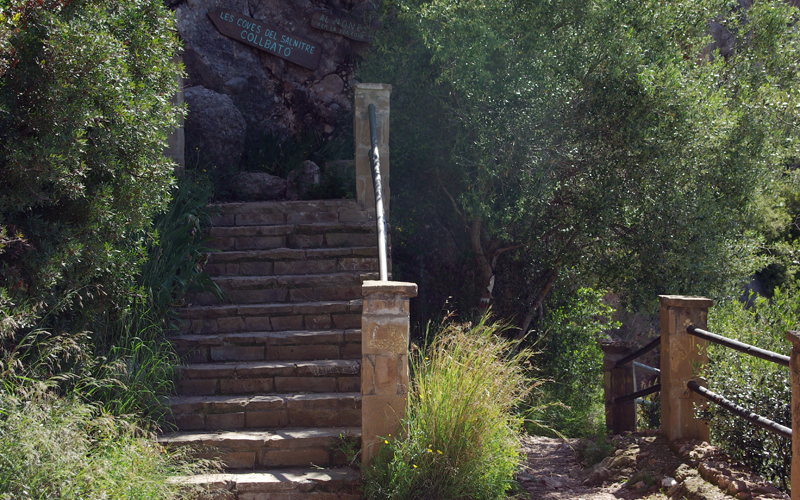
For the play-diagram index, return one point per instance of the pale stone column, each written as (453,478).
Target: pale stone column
(176,142)
(384,361)
(618,381)
(794,368)
(681,354)
(366,94)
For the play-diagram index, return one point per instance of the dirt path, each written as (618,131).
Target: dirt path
(640,466)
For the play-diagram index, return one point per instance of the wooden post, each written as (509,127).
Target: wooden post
(384,361)
(681,355)
(618,381)
(794,368)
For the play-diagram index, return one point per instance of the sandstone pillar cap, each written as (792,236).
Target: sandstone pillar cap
(390,287)
(685,301)
(373,86)
(793,336)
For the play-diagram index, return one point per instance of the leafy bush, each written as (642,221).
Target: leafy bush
(573,363)
(61,448)
(84,115)
(460,438)
(756,384)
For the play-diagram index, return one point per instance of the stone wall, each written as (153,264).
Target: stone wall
(254,91)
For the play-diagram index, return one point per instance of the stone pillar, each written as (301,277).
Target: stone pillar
(366,94)
(681,355)
(618,381)
(176,142)
(794,368)
(384,361)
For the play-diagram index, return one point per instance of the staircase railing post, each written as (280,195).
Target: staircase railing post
(379,95)
(681,355)
(794,368)
(384,361)
(618,381)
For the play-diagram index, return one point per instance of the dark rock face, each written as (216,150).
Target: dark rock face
(272,94)
(215,125)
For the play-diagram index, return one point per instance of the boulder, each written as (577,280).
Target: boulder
(257,186)
(215,128)
(302,180)
(271,93)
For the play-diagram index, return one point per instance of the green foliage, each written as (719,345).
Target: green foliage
(598,135)
(758,385)
(572,361)
(61,448)
(460,438)
(84,115)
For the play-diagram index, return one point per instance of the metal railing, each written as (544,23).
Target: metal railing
(630,357)
(732,407)
(375,164)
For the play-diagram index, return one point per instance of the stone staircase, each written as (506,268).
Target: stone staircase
(271,381)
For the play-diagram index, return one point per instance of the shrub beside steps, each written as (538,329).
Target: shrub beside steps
(271,380)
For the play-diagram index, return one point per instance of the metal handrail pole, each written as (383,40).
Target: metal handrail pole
(746,414)
(646,368)
(739,346)
(375,163)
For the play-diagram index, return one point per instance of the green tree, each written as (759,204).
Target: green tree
(85,110)
(606,140)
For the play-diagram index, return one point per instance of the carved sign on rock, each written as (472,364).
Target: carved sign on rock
(272,41)
(342,26)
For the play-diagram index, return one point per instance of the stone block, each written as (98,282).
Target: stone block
(305,267)
(276,418)
(305,384)
(314,418)
(226,325)
(304,352)
(357,264)
(280,323)
(267,242)
(257,323)
(237,353)
(260,219)
(384,335)
(197,386)
(255,268)
(344,321)
(381,415)
(189,422)
(318,321)
(224,421)
(348,384)
(246,386)
(306,240)
(350,239)
(266,403)
(237,459)
(351,351)
(294,458)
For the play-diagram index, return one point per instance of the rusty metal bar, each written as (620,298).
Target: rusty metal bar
(375,163)
(650,345)
(739,346)
(732,407)
(638,394)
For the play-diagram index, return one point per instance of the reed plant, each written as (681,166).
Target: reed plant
(461,438)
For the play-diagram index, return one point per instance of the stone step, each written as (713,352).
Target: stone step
(264,377)
(291,288)
(280,484)
(290,447)
(285,260)
(269,346)
(214,413)
(341,314)
(288,212)
(302,236)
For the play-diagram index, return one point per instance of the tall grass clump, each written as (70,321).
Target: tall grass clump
(60,447)
(461,435)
